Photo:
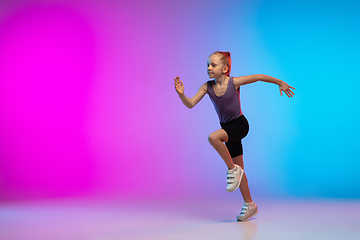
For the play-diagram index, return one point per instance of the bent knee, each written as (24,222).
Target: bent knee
(219,135)
(212,138)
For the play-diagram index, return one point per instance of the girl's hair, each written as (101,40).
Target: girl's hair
(226,60)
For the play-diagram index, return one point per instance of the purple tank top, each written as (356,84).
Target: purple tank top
(228,105)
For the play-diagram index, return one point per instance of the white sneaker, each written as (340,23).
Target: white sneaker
(234,177)
(248,211)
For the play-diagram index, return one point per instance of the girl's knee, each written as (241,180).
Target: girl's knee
(216,136)
(212,138)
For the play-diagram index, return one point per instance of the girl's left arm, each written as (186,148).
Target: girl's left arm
(283,86)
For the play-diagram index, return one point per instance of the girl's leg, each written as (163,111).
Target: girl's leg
(217,140)
(244,187)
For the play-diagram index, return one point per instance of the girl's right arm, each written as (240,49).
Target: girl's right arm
(283,86)
(189,103)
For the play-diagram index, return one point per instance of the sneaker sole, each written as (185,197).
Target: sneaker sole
(247,219)
(237,186)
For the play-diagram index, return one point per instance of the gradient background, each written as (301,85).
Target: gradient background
(88,107)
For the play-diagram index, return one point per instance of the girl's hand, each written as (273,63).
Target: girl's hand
(179,86)
(286,88)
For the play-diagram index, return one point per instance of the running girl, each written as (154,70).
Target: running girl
(224,92)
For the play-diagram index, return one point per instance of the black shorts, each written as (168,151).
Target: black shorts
(236,130)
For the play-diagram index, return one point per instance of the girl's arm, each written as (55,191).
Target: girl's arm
(283,86)
(189,103)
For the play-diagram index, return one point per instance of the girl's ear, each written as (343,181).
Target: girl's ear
(225,69)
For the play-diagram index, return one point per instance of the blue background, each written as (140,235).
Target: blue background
(305,146)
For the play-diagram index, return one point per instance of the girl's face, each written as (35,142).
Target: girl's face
(216,67)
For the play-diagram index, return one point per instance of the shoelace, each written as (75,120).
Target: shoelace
(244,210)
(230,177)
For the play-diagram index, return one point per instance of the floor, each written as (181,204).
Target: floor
(106,220)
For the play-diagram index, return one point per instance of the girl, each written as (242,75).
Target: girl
(224,92)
